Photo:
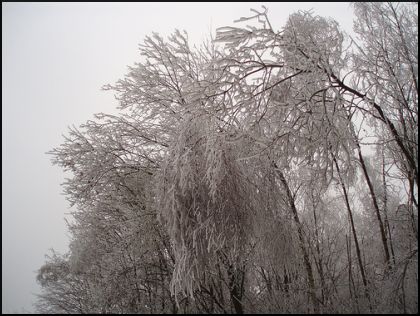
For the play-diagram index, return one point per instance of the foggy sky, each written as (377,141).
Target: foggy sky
(55,59)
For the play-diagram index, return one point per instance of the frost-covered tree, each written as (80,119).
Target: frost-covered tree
(235,177)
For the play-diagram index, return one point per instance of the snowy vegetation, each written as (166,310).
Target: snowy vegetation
(264,172)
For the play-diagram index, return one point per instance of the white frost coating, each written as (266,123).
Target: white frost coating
(234,179)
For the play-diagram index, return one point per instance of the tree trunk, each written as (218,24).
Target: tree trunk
(356,242)
(311,281)
(375,205)
(235,289)
(318,251)
(385,208)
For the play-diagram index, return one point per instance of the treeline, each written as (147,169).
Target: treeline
(264,172)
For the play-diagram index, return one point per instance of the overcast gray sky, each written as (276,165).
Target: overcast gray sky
(55,58)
